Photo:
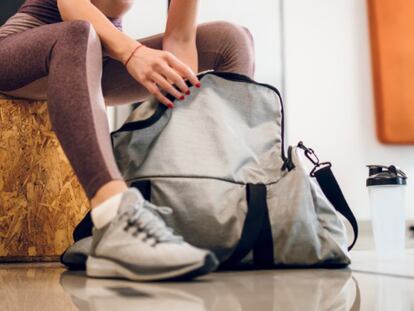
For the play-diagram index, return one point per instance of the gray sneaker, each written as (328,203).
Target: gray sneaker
(137,245)
(75,256)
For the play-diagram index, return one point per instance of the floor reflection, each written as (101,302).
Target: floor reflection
(32,287)
(373,285)
(231,291)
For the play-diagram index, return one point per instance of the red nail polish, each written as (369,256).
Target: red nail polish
(170,106)
(188,92)
(198,85)
(182,97)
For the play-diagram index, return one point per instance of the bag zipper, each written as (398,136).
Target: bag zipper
(193,177)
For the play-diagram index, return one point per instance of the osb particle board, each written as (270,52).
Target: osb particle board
(392,49)
(41,199)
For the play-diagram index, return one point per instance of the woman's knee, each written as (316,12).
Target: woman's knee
(233,42)
(77,49)
(80,31)
(232,33)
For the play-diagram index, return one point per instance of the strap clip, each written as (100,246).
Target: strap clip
(311,155)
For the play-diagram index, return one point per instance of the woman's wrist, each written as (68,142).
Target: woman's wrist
(186,51)
(124,50)
(132,53)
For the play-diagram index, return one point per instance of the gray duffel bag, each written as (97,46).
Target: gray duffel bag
(218,160)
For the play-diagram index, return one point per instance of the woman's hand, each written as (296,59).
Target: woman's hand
(159,70)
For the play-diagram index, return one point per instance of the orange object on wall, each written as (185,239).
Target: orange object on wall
(392,46)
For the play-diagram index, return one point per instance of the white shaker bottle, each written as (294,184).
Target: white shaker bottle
(386,187)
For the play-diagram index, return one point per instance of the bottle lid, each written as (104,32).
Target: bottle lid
(385,175)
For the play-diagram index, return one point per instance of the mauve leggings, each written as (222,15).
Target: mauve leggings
(63,63)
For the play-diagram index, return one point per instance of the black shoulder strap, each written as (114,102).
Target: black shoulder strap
(330,187)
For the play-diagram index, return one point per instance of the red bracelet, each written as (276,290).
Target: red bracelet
(130,56)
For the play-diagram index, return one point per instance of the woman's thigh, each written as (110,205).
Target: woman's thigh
(26,58)
(22,62)
(36,90)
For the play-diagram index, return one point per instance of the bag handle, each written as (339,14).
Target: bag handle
(330,187)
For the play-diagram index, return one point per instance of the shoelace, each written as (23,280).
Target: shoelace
(147,219)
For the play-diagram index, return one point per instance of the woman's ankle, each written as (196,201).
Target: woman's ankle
(108,190)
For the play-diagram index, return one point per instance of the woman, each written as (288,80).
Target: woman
(53,49)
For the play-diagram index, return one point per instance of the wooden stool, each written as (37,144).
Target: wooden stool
(41,200)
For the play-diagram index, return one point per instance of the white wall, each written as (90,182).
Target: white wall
(262,17)
(329,94)
(146,18)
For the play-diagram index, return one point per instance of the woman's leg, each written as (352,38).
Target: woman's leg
(225,46)
(69,55)
(221,46)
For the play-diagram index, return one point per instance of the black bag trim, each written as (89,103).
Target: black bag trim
(141,124)
(161,109)
(254,228)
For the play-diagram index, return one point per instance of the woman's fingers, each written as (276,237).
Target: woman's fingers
(153,89)
(171,75)
(183,69)
(160,71)
(164,84)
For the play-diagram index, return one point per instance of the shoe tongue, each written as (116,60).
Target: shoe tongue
(131,197)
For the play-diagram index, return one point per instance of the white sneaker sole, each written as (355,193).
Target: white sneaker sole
(104,268)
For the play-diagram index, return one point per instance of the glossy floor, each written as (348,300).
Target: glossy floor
(368,284)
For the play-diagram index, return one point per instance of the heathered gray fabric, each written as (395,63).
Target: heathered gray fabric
(208,213)
(239,142)
(200,157)
(306,228)
(139,146)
